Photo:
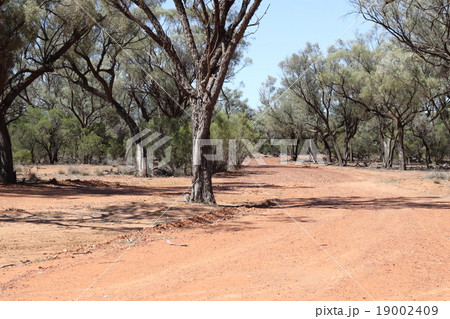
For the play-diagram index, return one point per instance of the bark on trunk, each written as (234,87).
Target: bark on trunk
(388,152)
(427,153)
(347,151)
(401,147)
(202,191)
(294,150)
(327,150)
(7,174)
(338,152)
(140,154)
(141,161)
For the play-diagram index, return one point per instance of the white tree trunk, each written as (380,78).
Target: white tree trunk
(141,161)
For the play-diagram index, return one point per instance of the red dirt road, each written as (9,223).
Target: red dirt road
(327,233)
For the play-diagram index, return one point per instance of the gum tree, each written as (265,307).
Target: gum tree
(35,34)
(306,75)
(95,64)
(211,31)
(423,27)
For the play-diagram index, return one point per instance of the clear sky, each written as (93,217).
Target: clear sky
(286,28)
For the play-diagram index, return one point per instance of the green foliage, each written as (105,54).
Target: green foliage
(22,157)
(90,147)
(234,127)
(360,101)
(418,24)
(115,148)
(181,144)
(441,147)
(366,144)
(19,24)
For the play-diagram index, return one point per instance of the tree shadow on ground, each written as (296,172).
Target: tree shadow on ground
(262,170)
(117,218)
(65,189)
(355,202)
(238,225)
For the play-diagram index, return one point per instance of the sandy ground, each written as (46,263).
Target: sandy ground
(281,232)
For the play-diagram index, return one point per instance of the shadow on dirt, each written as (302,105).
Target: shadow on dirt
(71,188)
(355,202)
(264,170)
(117,218)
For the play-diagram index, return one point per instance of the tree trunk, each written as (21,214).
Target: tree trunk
(141,160)
(338,151)
(427,153)
(401,147)
(294,150)
(327,150)
(351,154)
(388,152)
(202,191)
(7,174)
(140,154)
(347,151)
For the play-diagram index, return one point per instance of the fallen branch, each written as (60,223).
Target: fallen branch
(170,243)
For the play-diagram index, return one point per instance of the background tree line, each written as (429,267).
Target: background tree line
(383,97)
(363,101)
(79,79)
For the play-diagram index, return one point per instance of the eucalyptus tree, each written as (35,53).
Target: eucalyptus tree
(35,34)
(395,89)
(423,26)
(97,63)
(387,82)
(359,62)
(306,74)
(284,116)
(348,112)
(48,130)
(422,128)
(211,31)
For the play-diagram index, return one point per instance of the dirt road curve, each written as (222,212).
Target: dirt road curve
(313,233)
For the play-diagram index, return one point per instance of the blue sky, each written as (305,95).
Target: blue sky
(286,28)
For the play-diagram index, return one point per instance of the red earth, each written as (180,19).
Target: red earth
(280,232)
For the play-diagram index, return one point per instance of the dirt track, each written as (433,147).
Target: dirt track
(313,233)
